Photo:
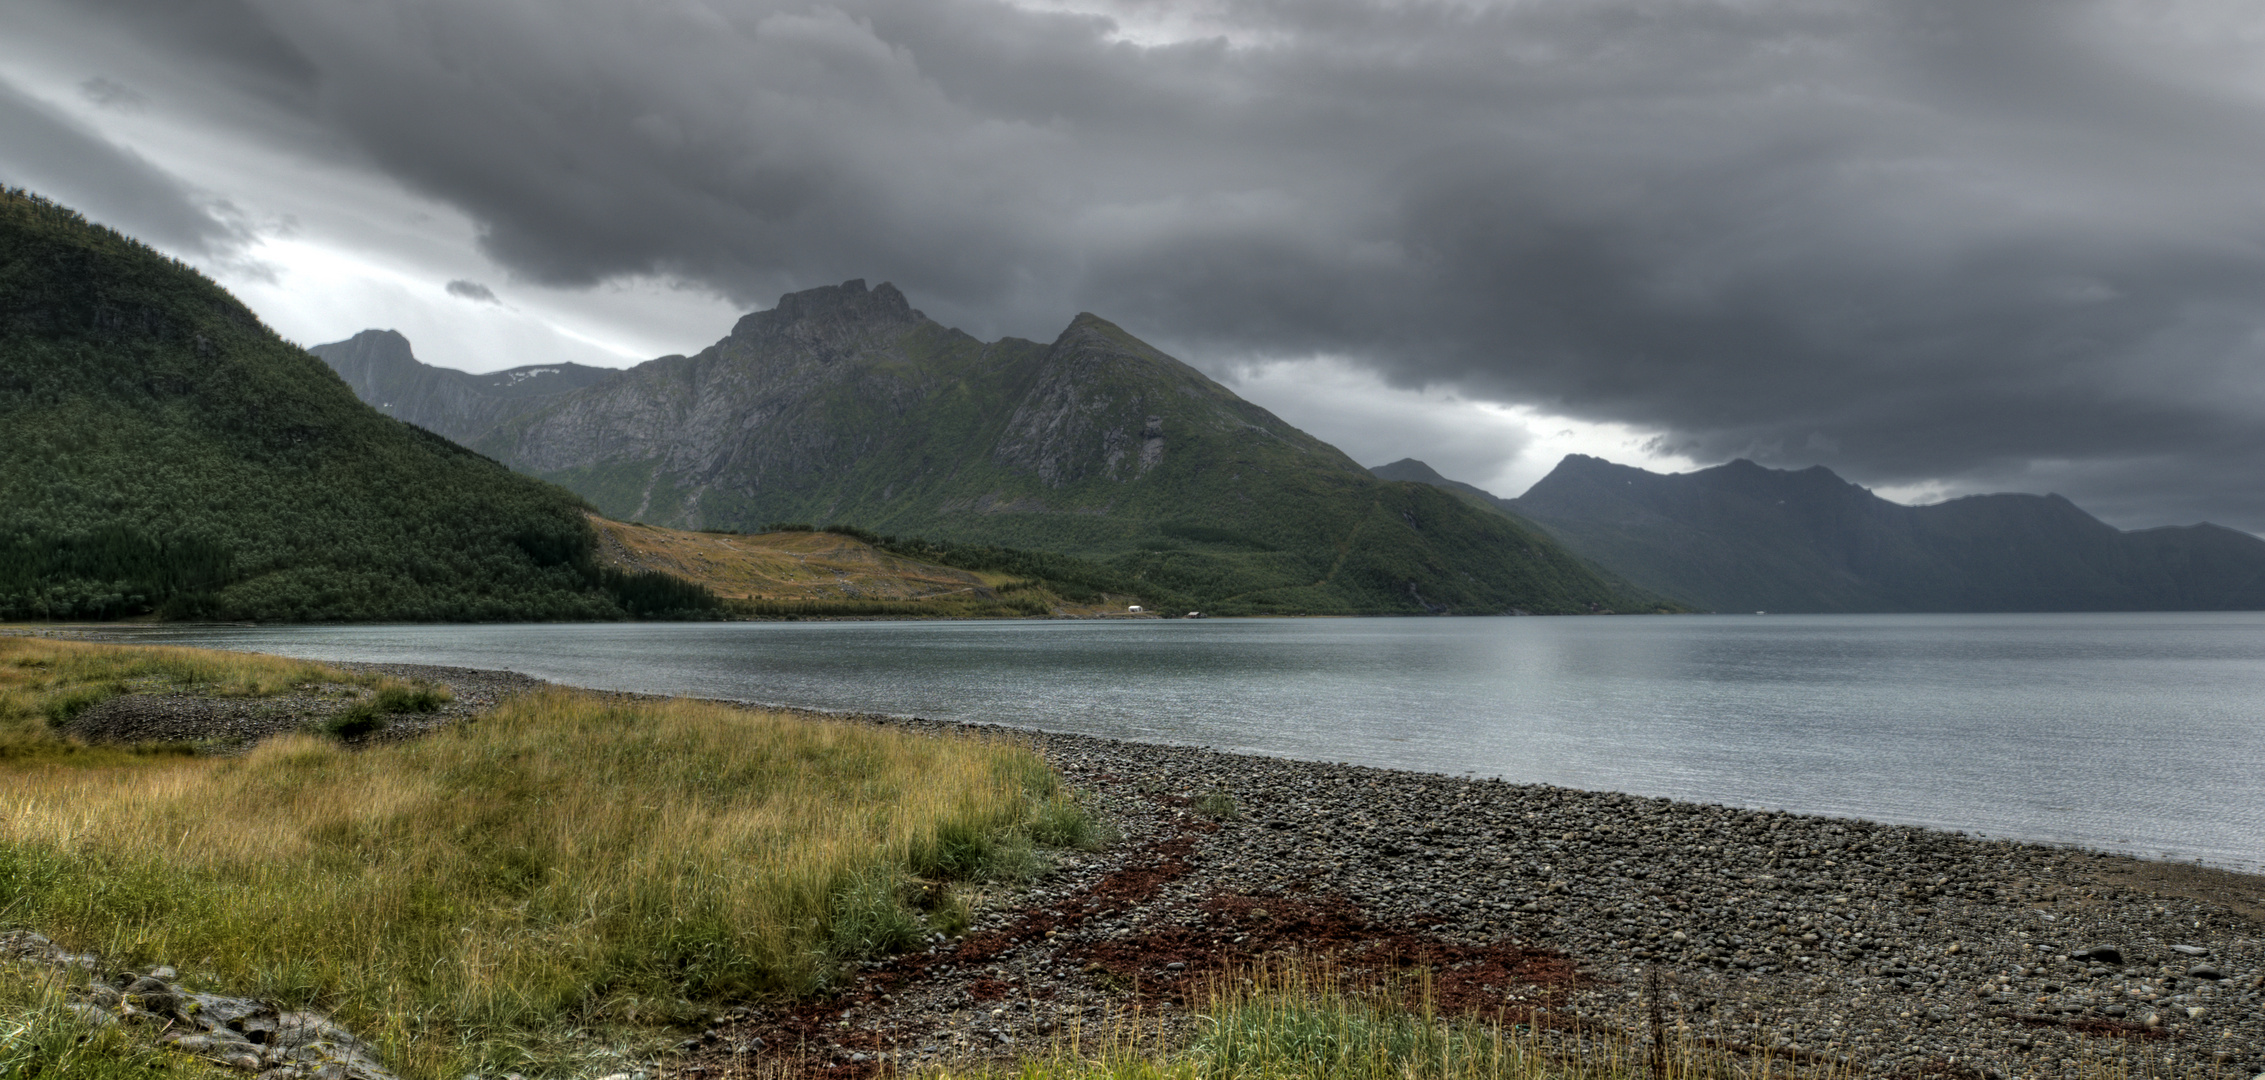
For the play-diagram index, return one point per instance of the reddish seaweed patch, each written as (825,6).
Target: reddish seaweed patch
(1233,931)
(788,1033)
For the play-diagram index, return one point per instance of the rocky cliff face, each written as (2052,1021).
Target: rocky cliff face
(764,425)
(1106,406)
(846,405)
(460,406)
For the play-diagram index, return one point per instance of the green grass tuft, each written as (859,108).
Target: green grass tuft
(357,721)
(1217,805)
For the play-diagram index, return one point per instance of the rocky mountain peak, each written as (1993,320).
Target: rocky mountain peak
(1410,469)
(371,354)
(381,340)
(832,313)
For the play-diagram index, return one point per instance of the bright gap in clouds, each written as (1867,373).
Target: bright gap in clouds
(1921,493)
(1153,25)
(313,293)
(332,250)
(1501,448)
(314,288)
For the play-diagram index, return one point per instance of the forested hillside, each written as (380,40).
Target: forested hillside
(166,453)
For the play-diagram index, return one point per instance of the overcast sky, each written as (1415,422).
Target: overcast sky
(1940,246)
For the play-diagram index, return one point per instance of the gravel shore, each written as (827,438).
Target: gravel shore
(1874,948)
(1882,949)
(224,724)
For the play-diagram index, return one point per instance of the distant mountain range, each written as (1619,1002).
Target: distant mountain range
(1740,537)
(844,405)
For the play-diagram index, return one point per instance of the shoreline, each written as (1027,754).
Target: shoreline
(1880,948)
(2157,849)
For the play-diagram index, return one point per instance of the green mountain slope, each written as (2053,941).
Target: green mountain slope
(166,452)
(1740,537)
(846,405)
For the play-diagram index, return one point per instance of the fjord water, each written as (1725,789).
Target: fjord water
(2142,733)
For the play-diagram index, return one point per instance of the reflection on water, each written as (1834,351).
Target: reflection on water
(2133,732)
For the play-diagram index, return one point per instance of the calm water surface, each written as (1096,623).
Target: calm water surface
(2142,733)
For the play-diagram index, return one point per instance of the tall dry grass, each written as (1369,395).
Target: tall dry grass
(567,861)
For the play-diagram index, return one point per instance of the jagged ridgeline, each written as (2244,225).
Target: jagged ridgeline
(844,405)
(165,452)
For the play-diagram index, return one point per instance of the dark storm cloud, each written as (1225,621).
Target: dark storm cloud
(46,152)
(472,290)
(2014,244)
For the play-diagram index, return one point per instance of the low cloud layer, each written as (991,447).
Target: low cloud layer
(2008,245)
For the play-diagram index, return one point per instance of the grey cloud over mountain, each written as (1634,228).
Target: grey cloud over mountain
(2016,244)
(472,290)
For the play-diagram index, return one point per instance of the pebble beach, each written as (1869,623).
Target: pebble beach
(1871,948)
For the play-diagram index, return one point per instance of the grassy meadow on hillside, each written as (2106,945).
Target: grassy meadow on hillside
(799,571)
(474,899)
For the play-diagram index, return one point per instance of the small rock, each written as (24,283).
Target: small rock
(91,1015)
(219,1045)
(150,995)
(2190,950)
(2099,954)
(25,943)
(2205,971)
